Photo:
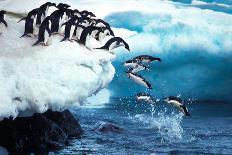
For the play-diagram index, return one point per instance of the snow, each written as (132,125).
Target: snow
(56,77)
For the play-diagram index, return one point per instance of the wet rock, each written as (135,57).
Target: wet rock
(107,127)
(39,133)
(66,122)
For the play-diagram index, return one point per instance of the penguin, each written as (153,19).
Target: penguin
(62,6)
(44,10)
(114,43)
(101,23)
(87,33)
(177,102)
(138,68)
(131,64)
(77,32)
(2,20)
(30,22)
(146,58)
(144,97)
(70,27)
(87,14)
(139,79)
(77,13)
(58,18)
(44,32)
(105,32)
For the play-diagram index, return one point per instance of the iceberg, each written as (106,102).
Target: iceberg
(35,79)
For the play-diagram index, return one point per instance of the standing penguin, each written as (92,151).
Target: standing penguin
(70,27)
(44,10)
(63,6)
(44,32)
(87,33)
(105,32)
(30,22)
(2,20)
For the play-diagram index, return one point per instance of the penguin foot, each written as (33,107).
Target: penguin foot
(45,44)
(70,40)
(61,34)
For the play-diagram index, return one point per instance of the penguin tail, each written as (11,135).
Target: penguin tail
(187,114)
(36,43)
(21,19)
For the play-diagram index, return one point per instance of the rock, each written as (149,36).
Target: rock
(107,127)
(39,133)
(66,122)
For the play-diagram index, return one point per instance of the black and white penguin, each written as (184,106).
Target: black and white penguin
(87,33)
(114,43)
(30,22)
(70,28)
(2,20)
(44,32)
(58,18)
(87,14)
(177,102)
(78,31)
(144,97)
(130,63)
(138,68)
(139,79)
(63,6)
(101,23)
(105,32)
(77,13)
(145,58)
(44,11)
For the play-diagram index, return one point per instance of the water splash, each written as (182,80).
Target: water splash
(168,125)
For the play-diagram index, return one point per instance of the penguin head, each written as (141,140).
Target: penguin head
(2,12)
(62,6)
(49,4)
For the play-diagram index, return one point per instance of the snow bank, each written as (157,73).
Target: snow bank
(34,79)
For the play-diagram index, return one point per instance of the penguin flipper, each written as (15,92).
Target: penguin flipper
(23,35)
(22,19)
(5,23)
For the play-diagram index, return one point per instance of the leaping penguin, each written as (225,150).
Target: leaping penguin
(44,32)
(144,97)
(139,79)
(138,68)
(114,43)
(177,102)
(2,20)
(145,58)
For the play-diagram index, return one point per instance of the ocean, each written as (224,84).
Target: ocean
(156,129)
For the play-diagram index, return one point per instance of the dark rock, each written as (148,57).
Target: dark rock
(107,127)
(39,133)
(66,122)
